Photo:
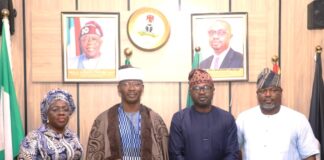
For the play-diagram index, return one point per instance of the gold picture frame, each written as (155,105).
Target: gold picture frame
(148,29)
(223,37)
(86,58)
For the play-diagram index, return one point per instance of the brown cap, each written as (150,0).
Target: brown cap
(197,76)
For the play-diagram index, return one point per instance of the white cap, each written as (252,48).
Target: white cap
(130,74)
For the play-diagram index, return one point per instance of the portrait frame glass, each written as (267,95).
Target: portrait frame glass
(209,37)
(90,46)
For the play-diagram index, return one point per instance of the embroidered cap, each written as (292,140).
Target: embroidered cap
(197,76)
(91,27)
(51,97)
(128,72)
(268,78)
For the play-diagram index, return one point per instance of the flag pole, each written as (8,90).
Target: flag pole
(196,59)
(195,65)
(11,130)
(318,49)
(5,16)
(316,112)
(275,60)
(128,53)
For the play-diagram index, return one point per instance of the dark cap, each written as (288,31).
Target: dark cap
(268,78)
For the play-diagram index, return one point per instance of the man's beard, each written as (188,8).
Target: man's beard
(203,106)
(268,106)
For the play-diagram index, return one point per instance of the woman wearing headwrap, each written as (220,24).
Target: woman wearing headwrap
(53,140)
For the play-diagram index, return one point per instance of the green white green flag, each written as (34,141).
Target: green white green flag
(195,64)
(11,130)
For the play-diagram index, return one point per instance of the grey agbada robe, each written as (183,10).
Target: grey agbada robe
(105,142)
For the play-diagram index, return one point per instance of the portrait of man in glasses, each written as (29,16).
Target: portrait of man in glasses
(223,56)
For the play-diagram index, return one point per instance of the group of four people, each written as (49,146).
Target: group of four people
(130,130)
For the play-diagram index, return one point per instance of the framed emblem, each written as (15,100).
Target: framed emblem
(148,29)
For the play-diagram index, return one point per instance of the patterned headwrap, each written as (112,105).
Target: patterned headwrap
(268,78)
(51,97)
(197,76)
(91,27)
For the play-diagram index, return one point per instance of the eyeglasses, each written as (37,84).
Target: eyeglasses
(269,90)
(221,32)
(131,84)
(201,88)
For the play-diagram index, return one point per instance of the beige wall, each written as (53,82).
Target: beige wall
(44,56)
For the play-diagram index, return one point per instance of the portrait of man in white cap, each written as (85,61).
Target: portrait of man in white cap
(91,46)
(90,41)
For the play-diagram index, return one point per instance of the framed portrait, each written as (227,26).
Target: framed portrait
(222,42)
(148,29)
(91,46)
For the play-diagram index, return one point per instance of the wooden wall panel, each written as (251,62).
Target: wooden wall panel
(46,68)
(211,6)
(208,6)
(263,37)
(263,32)
(102,6)
(175,55)
(169,63)
(183,88)
(164,5)
(221,95)
(17,58)
(28,17)
(36,93)
(243,97)
(188,7)
(170,53)
(298,51)
(163,98)
(94,99)
(46,39)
